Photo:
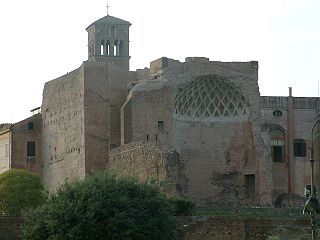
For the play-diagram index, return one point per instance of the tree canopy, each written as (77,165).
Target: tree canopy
(20,190)
(103,206)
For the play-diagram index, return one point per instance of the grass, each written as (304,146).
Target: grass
(253,212)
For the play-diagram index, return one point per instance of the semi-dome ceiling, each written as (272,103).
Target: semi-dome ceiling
(210,98)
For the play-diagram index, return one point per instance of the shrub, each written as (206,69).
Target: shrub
(273,238)
(183,207)
(103,206)
(20,190)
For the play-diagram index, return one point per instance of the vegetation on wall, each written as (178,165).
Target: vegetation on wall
(19,191)
(103,206)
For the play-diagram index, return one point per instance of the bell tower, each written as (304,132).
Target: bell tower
(108,40)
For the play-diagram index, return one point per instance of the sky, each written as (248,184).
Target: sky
(41,40)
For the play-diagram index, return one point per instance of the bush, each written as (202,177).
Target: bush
(273,238)
(183,207)
(103,207)
(20,190)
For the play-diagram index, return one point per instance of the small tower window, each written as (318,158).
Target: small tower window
(115,52)
(102,48)
(108,48)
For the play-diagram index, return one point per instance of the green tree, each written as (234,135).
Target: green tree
(103,206)
(20,190)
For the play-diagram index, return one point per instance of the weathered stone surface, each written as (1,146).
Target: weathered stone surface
(216,153)
(148,162)
(210,112)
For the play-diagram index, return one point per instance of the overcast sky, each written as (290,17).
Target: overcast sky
(42,40)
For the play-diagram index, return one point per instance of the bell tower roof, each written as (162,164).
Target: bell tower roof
(109,20)
(108,41)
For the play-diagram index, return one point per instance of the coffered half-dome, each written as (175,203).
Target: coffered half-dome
(209,97)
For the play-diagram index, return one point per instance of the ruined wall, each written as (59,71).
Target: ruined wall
(78,111)
(221,159)
(28,130)
(5,145)
(147,114)
(96,115)
(223,154)
(118,81)
(63,129)
(216,158)
(147,162)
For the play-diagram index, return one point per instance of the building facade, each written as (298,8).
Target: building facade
(200,127)
(20,145)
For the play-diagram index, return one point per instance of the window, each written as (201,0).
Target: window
(31,150)
(30,125)
(108,48)
(102,48)
(277,145)
(160,126)
(277,113)
(299,148)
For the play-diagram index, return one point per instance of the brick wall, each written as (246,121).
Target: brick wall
(10,228)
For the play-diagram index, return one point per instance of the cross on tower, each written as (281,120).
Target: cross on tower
(108,9)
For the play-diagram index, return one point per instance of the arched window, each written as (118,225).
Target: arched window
(102,48)
(278,145)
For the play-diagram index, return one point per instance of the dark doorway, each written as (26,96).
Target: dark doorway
(250,186)
(277,153)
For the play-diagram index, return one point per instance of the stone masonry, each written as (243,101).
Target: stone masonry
(200,126)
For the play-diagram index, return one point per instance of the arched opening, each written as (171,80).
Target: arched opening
(115,50)
(108,48)
(102,48)
(278,145)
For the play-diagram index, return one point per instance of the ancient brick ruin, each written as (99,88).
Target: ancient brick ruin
(199,126)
